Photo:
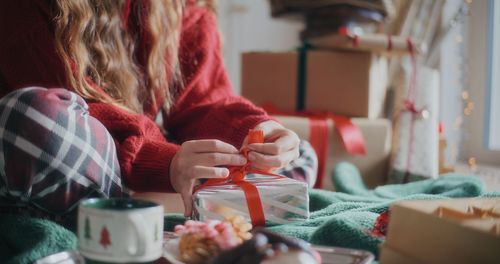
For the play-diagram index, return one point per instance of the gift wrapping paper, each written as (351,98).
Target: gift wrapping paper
(284,200)
(418,155)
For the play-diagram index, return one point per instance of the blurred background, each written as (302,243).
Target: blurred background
(370,54)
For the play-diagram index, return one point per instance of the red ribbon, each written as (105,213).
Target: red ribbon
(409,105)
(318,138)
(350,135)
(355,41)
(237,177)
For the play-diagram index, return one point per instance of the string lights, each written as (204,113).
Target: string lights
(462,72)
(467,101)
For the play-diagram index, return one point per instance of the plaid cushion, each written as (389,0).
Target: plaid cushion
(52,153)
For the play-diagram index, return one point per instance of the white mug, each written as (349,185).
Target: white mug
(120,230)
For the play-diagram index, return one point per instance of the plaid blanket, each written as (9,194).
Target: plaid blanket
(52,153)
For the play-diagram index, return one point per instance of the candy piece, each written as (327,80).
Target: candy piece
(201,241)
(226,236)
(221,233)
(241,227)
(196,249)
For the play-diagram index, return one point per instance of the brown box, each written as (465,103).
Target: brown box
(373,166)
(346,83)
(390,256)
(424,231)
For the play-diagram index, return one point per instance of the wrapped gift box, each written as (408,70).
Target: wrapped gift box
(284,200)
(445,231)
(373,166)
(346,83)
(416,137)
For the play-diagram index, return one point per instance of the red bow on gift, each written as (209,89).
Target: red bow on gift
(349,133)
(237,176)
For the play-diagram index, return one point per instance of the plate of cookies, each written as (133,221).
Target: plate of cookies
(230,241)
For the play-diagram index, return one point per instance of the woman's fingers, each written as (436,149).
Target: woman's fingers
(281,145)
(199,159)
(187,200)
(198,172)
(185,188)
(209,145)
(203,172)
(263,161)
(219,159)
(275,154)
(267,148)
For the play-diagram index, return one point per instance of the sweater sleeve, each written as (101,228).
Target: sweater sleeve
(207,106)
(143,152)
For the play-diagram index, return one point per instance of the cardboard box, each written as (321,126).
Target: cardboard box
(390,256)
(377,135)
(443,231)
(346,83)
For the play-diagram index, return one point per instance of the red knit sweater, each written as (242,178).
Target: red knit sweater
(205,108)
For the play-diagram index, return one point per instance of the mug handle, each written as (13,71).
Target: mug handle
(139,223)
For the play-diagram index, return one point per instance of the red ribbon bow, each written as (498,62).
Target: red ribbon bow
(411,107)
(350,135)
(237,176)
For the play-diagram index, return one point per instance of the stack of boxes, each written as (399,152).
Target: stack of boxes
(318,80)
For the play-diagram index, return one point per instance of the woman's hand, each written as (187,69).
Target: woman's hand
(198,159)
(280,148)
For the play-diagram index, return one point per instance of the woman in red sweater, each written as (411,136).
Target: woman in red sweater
(123,65)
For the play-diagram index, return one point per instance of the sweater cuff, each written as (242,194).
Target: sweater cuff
(151,166)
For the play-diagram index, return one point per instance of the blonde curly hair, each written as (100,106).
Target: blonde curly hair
(97,48)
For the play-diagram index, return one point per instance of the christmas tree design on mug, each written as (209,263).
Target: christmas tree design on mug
(105,240)
(87,231)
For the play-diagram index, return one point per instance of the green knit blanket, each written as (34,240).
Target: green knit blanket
(24,239)
(344,218)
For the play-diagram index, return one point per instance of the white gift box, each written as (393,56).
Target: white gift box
(417,153)
(284,200)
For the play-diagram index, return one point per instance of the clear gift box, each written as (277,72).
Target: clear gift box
(284,200)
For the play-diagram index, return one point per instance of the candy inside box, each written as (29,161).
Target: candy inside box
(284,200)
